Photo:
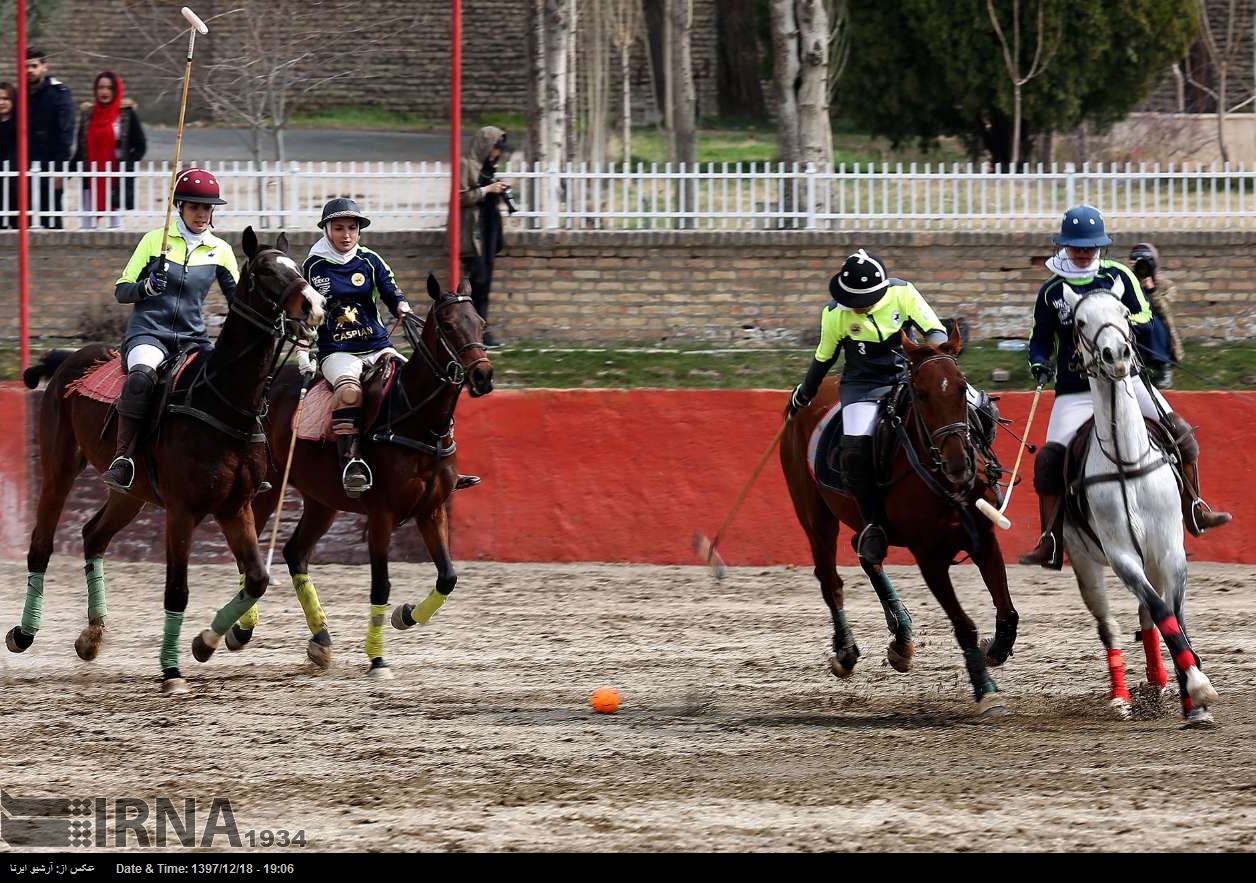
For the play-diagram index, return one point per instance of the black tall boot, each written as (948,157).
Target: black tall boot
(132,408)
(1049,483)
(858,471)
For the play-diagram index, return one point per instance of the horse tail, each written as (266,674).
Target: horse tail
(46,367)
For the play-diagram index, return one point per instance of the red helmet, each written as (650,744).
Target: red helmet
(197,185)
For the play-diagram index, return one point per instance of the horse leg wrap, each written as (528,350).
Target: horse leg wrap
(978,674)
(95,571)
(170,640)
(33,610)
(897,619)
(241,604)
(375,631)
(1156,675)
(1116,669)
(1183,656)
(426,609)
(315,618)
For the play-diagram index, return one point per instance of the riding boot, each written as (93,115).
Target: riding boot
(132,408)
(1049,552)
(1197,514)
(1049,482)
(859,474)
(355,475)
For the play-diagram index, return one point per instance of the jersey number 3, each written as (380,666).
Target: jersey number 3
(863,348)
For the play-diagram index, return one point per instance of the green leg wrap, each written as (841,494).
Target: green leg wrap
(375,631)
(427,608)
(233,610)
(170,640)
(315,618)
(897,619)
(249,620)
(842,636)
(975,660)
(95,570)
(33,611)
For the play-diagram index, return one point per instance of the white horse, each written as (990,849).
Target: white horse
(1134,509)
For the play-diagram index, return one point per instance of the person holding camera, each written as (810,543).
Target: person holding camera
(481,197)
(1163,347)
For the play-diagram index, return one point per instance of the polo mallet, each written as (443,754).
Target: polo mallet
(996,515)
(197,25)
(287,469)
(705,548)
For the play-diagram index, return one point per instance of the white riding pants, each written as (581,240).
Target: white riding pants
(145,354)
(1073,409)
(340,365)
(860,418)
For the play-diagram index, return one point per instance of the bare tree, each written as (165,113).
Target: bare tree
(1012,59)
(557,25)
(786,69)
(593,46)
(800,40)
(627,16)
(1221,57)
(536,43)
(684,97)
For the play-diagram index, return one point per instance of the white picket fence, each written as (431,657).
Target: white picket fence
(710,196)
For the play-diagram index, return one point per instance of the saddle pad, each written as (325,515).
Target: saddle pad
(827,433)
(316,415)
(104,382)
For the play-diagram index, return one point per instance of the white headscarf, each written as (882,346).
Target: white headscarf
(324,249)
(192,239)
(1060,265)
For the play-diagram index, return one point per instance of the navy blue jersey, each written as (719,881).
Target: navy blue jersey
(353,291)
(1052,338)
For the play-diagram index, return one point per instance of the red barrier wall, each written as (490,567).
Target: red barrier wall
(630,475)
(14,492)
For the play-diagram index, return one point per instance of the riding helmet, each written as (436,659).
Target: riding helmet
(341,207)
(1083,228)
(198,186)
(860,282)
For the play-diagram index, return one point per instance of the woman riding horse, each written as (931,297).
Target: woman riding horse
(1078,267)
(169,294)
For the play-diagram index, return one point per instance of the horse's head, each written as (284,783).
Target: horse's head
(277,287)
(458,330)
(1102,328)
(940,402)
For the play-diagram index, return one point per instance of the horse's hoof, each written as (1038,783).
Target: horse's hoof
(1199,688)
(1199,719)
(403,617)
(87,645)
(901,656)
(319,650)
(1120,708)
(176,686)
(204,645)
(992,705)
(379,670)
(839,668)
(238,638)
(984,646)
(17,640)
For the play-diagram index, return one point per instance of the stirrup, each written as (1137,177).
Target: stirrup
(872,544)
(356,485)
(1052,560)
(1197,509)
(113,481)
(466,481)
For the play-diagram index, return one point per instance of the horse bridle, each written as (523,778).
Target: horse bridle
(934,438)
(454,372)
(1089,362)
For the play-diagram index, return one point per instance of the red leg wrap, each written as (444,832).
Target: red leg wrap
(1184,660)
(1116,668)
(1156,674)
(1169,627)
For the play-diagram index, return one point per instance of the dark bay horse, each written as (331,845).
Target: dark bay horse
(412,454)
(206,460)
(925,514)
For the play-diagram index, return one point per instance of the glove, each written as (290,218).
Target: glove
(155,284)
(797,400)
(403,308)
(306,365)
(1043,374)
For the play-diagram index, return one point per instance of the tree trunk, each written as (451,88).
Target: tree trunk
(785,72)
(536,82)
(625,113)
(815,134)
(573,94)
(557,28)
(1016,124)
(740,92)
(685,141)
(655,26)
(1222,100)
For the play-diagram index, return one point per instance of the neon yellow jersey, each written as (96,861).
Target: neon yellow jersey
(871,341)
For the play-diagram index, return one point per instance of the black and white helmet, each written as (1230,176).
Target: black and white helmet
(861,281)
(342,207)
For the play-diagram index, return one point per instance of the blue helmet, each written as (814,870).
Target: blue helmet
(1083,228)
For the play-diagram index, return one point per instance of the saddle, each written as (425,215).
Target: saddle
(104,383)
(377,382)
(824,448)
(1076,504)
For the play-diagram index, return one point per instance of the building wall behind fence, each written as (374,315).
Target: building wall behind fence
(743,288)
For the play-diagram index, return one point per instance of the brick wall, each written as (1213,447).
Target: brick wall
(408,73)
(751,288)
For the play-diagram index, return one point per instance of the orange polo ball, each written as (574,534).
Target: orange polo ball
(605,701)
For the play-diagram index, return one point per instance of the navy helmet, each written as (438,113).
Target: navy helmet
(1083,228)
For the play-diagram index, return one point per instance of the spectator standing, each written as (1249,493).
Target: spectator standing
(51,132)
(8,154)
(1163,348)
(480,228)
(111,137)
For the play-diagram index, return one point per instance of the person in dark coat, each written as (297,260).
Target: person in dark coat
(8,154)
(110,137)
(50,118)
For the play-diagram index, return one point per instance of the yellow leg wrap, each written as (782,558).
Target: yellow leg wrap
(427,608)
(375,631)
(249,620)
(315,618)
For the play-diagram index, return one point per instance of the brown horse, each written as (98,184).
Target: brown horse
(411,452)
(928,505)
(207,458)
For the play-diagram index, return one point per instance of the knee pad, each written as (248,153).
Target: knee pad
(1049,469)
(1188,445)
(140,383)
(347,393)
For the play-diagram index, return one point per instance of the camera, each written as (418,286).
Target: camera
(508,195)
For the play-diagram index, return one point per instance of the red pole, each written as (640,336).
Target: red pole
(23,192)
(455,142)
